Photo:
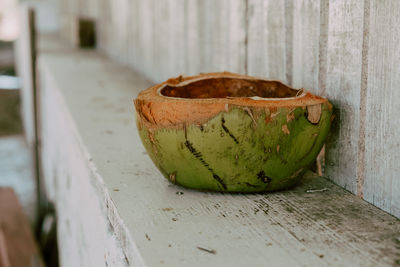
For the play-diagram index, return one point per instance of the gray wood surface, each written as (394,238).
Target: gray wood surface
(336,49)
(169,40)
(342,87)
(266,47)
(144,45)
(305,44)
(382,107)
(119,210)
(192,37)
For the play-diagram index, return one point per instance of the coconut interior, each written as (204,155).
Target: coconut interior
(229,87)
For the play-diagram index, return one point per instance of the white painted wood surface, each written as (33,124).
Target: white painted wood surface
(83,240)
(118,210)
(192,37)
(322,46)
(176,41)
(305,45)
(342,87)
(382,134)
(224,29)
(169,40)
(266,47)
(198,36)
(145,43)
(119,30)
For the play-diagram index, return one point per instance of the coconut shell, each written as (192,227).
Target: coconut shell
(230,132)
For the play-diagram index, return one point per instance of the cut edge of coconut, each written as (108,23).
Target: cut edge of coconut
(184,81)
(156,110)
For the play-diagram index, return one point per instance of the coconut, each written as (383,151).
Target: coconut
(231,133)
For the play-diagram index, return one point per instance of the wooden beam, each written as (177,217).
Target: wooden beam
(17,245)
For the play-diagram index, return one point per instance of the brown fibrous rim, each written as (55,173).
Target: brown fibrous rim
(158,109)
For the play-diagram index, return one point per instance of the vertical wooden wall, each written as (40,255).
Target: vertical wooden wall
(346,50)
(381,105)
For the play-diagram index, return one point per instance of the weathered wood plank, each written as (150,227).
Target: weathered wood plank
(266,47)
(145,43)
(177,41)
(192,37)
(237,23)
(17,245)
(382,136)
(305,45)
(132,32)
(222,35)
(124,32)
(83,240)
(169,40)
(120,31)
(104,28)
(342,86)
(162,37)
(160,42)
(217,33)
(312,44)
(101,156)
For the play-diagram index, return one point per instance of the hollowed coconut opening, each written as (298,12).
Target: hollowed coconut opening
(229,87)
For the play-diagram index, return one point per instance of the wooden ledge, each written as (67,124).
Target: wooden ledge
(114,206)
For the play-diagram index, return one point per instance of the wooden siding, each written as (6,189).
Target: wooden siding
(347,51)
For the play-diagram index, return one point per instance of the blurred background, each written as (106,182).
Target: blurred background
(18,172)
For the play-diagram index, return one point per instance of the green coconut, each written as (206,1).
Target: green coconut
(231,140)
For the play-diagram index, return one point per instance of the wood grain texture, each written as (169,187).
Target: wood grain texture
(222,32)
(133,32)
(266,52)
(382,136)
(192,37)
(17,244)
(145,43)
(120,31)
(118,193)
(342,87)
(305,45)
(318,45)
(83,241)
(169,40)
(177,39)
(162,38)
